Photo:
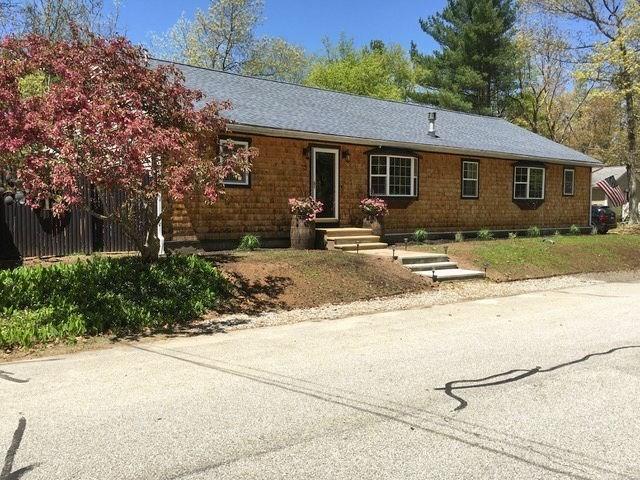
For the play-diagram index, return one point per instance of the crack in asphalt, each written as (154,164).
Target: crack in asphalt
(452,385)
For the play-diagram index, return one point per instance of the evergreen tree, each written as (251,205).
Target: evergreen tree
(475,69)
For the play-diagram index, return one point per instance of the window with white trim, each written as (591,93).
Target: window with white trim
(568,182)
(470,175)
(393,176)
(237,178)
(528,183)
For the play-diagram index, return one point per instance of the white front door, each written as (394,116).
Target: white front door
(325,181)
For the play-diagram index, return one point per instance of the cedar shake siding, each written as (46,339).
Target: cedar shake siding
(282,170)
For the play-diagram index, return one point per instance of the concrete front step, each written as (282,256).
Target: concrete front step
(452,274)
(352,247)
(353,239)
(344,232)
(423,267)
(424,258)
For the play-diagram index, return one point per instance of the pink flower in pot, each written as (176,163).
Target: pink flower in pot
(303,225)
(374,210)
(374,207)
(305,208)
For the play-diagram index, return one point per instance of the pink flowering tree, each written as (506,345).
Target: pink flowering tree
(94,114)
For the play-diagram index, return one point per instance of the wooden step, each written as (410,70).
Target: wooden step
(352,247)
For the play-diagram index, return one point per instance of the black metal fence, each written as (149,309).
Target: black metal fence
(29,233)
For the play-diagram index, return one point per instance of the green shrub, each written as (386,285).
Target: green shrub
(459,237)
(513,235)
(420,235)
(533,231)
(125,295)
(249,243)
(484,234)
(574,230)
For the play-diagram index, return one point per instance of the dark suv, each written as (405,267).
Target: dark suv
(603,218)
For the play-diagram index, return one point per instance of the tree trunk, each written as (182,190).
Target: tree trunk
(634,194)
(147,241)
(150,248)
(150,251)
(632,162)
(139,220)
(626,82)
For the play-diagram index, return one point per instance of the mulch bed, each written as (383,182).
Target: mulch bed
(286,279)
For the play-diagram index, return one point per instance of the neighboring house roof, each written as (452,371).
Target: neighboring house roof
(618,172)
(273,107)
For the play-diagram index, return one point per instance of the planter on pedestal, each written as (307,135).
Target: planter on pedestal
(303,234)
(376,224)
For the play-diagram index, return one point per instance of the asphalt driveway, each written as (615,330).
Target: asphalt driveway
(535,386)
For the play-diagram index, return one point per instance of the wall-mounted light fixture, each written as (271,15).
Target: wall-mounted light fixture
(346,155)
(306,151)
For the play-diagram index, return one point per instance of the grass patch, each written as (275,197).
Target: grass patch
(521,258)
(104,295)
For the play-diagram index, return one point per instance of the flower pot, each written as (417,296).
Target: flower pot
(376,225)
(303,234)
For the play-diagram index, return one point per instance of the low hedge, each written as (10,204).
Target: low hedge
(104,295)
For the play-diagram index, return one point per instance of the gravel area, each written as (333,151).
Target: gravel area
(443,293)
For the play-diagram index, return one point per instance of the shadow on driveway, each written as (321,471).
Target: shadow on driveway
(7,473)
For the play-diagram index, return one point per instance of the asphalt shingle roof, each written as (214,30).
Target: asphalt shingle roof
(278,105)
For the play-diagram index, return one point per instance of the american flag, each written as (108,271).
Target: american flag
(613,191)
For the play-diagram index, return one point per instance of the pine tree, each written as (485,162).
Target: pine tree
(475,69)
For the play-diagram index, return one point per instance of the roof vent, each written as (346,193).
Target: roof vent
(432,123)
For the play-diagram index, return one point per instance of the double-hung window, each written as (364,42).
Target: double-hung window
(568,182)
(528,183)
(239,179)
(393,176)
(470,176)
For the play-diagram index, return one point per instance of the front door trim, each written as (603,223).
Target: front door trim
(336,172)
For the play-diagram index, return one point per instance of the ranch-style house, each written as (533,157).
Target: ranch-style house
(437,169)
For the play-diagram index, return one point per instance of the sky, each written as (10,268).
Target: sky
(304,22)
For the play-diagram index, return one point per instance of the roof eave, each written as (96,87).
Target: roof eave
(323,137)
